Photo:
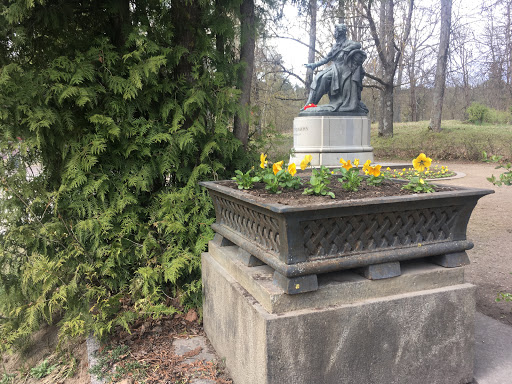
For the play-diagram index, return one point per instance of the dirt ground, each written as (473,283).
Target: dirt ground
(42,347)
(490,228)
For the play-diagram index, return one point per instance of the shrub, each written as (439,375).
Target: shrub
(122,128)
(477,113)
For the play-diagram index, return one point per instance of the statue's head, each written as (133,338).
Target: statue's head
(340,30)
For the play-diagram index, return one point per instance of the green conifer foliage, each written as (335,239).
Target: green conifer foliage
(110,113)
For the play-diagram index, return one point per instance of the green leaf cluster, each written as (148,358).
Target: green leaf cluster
(350,179)
(418,185)
(111,112)
(319,181)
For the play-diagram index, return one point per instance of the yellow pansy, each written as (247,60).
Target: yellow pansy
(263,160)
(356,162)
(374,171)
(421,162)
(277,166)
(387,169)
(292,169)
(305,162)
(421,181)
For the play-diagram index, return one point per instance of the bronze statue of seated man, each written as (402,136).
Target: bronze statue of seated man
(342,81)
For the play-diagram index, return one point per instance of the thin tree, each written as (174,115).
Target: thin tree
(313,7)
(247,47)
(442,57)
(389,53)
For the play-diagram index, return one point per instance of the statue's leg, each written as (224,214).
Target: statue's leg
(322,87)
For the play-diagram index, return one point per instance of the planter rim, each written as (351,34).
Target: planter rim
(330,204)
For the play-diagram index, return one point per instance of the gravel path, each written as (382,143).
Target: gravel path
(490,228)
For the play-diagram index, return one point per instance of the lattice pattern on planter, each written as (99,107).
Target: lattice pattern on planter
(338,236)
(254,225)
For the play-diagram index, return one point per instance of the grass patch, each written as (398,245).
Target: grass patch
(457,141)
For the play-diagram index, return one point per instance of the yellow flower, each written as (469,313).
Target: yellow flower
(403,170)
(263,160)
(356,162)
(421,162)
(345,164)
(292,169)
(305,162)
(277,167)
(374,171)
(421,181)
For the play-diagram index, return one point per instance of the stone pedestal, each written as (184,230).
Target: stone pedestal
(414,328)
(329,138)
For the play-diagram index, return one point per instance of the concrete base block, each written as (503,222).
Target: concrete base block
(413,336)
(329,138)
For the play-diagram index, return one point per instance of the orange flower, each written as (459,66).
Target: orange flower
(292,169)
(345,164)
(277,167)
(374,171)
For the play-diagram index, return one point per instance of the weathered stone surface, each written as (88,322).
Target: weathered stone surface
(381,271)
(328,138)
(344,287)
(182,346)
(414,337)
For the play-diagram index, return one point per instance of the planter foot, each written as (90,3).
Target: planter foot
(295,285)
(451,260)
(248,259)
(221,241)
(381,271)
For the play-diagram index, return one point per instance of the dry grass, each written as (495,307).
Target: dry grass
(457,141)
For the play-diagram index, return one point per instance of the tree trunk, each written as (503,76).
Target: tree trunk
(119,22)
(312,44)
(341,11)
(386,108)
(413,102)
(248,44)
(388,67)
(442,56)
(397,112)
(389,55)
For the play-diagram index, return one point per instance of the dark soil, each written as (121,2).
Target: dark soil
(295,197)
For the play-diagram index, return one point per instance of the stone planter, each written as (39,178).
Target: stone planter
(372,235)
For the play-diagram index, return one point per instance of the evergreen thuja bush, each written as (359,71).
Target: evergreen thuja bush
(119,117)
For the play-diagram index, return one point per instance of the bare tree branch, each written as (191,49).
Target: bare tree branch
(296,40)
(377,79)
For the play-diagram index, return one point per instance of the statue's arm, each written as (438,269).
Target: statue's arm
(325,60)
